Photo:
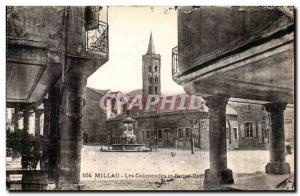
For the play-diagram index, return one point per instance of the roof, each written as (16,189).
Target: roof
(135,92)
(230,110)
(119,117)
(101,92)
(151,49)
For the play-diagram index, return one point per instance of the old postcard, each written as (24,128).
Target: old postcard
(150,98)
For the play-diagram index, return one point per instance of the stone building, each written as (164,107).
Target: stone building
(166,127)
(254,125)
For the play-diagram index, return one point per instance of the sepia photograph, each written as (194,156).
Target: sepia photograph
(150,98)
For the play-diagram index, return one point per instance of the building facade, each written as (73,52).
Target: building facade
(254,125)
(172,129)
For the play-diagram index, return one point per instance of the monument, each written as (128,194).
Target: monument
(128,141)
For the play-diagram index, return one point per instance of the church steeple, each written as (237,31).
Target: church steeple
(151,49)
(151,70)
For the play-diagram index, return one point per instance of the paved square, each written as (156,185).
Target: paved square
(125,170)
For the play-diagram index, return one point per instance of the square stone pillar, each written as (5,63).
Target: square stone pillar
(53,131)
(277,164)
(218,173)
(71,134)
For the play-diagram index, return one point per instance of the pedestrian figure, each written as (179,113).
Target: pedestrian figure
(288,149)
(192,144)
(155,145)
(173,154)
(150,145)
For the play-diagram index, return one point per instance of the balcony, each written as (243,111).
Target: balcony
(96,26)
(97,42)
(97,39)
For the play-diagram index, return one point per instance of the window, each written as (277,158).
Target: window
(155,90)
(166,133)
(150,89)
(235,134)
(150,79)
(195,123)
(155,68)
(248,129)
(159,134)
(153,134)
(188,132)
(180,133)
(150,68)
(148,134)
(203,124)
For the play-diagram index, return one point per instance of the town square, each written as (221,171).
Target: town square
(150,98)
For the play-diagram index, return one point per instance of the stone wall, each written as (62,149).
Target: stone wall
(93,118)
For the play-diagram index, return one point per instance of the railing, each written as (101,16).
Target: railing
(175,70)
(97,39)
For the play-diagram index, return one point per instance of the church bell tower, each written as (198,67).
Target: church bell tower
(151,71)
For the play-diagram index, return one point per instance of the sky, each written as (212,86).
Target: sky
(129,32)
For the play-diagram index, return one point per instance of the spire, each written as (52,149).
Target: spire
(151,49)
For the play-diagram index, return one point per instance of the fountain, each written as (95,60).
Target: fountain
(128,141)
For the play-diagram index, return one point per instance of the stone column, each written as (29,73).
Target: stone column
(277,164)
(16,117)
(45,137)
(71,135)
(24,158)
(54,101)
(218,173)
(26,115)
(37,130)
